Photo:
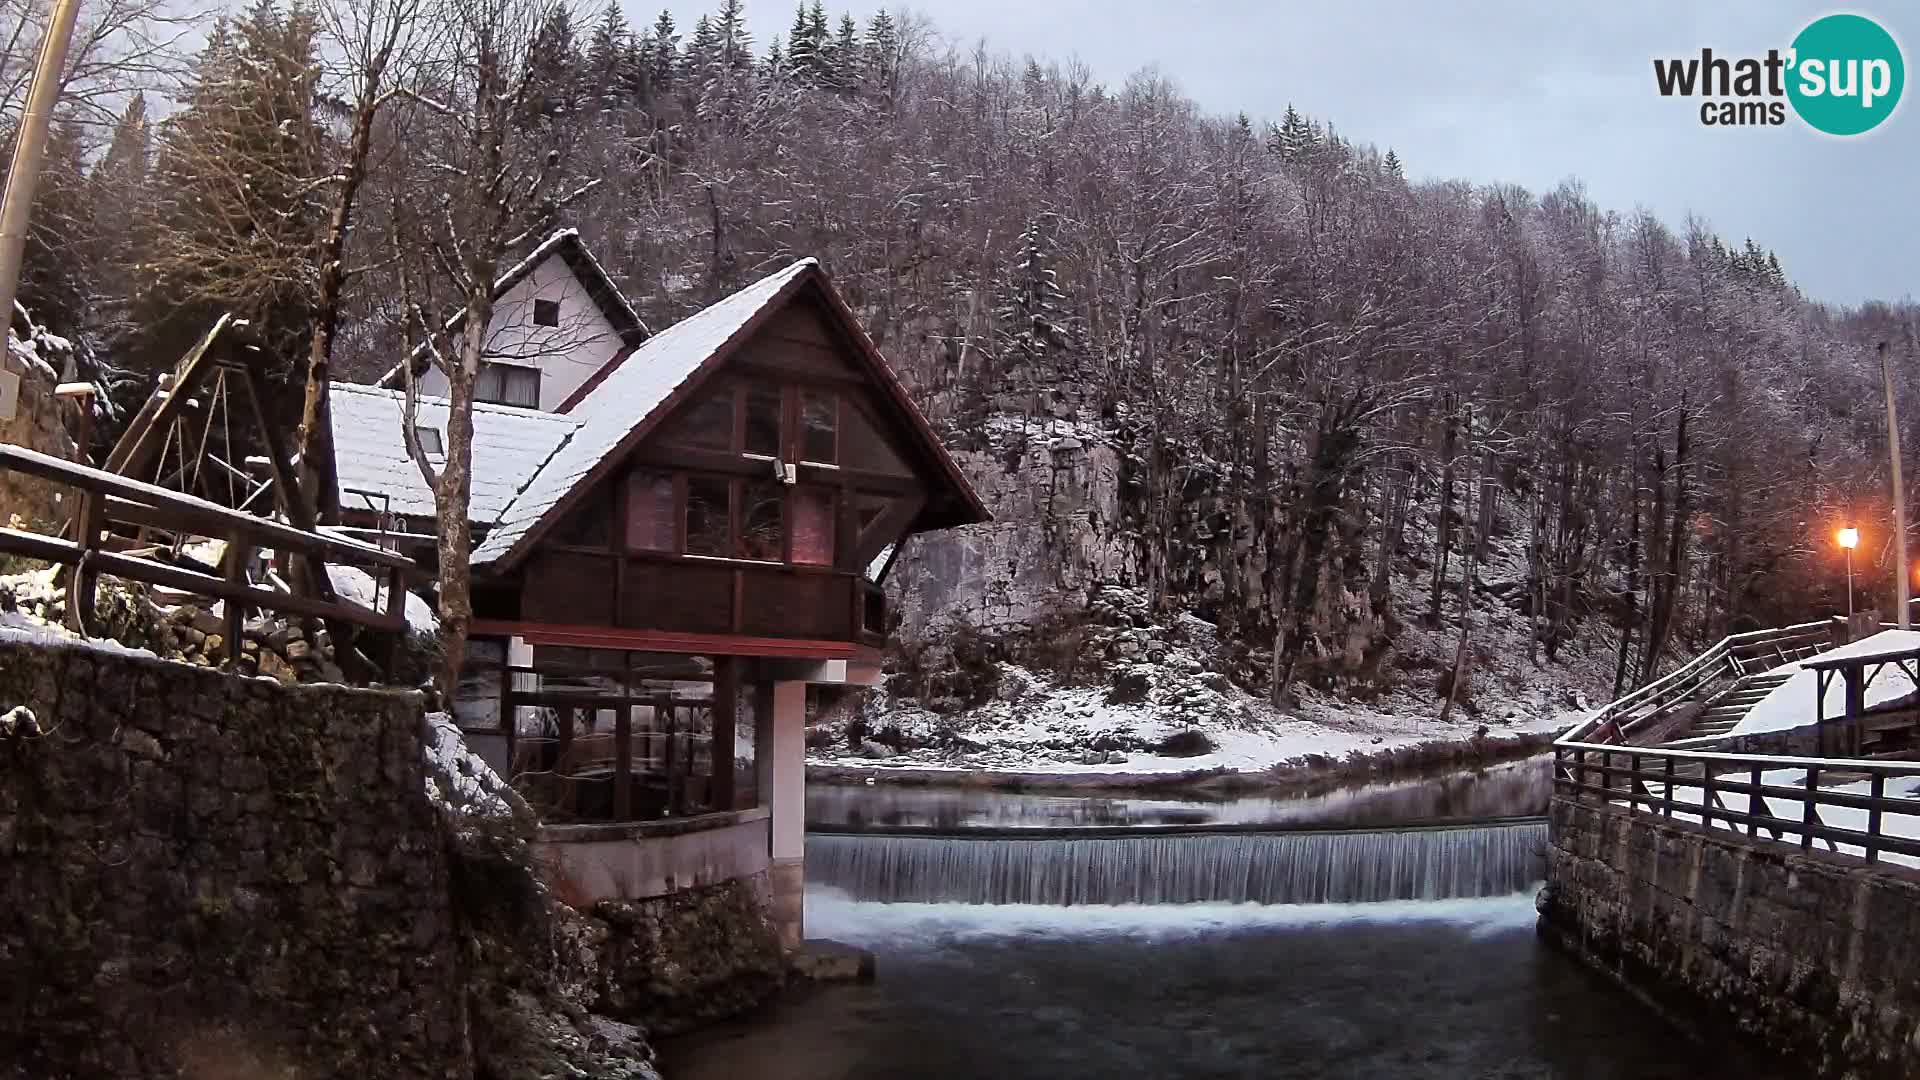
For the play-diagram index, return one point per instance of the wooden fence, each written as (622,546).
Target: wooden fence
(1850,806)
(107,499)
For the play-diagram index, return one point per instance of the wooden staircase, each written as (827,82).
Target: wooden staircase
(1725,709)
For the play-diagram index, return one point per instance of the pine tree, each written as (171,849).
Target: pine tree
(553,65)
(842,69)
(607,53)
(776,58)
(883,46)
(56,271)
(735,42)
(803,51)
(1294,137)
(1032,313)
(237,215)
(118,188)
(1392,164)
(664,58)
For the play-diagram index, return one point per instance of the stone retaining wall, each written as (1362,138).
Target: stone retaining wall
(207,876)
(1808,954)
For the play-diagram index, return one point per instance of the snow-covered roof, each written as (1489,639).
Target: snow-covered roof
(509,446)
(593,277)
(627,396)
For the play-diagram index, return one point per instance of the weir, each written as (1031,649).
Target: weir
(1183,866)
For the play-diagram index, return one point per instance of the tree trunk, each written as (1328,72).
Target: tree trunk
(1472,559)
(1448,446)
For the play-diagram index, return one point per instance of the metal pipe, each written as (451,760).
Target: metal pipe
(30,150)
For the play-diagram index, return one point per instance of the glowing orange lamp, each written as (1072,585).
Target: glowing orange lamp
(1849,539)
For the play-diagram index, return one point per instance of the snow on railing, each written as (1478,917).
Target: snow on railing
(1611,721)
(1866,808)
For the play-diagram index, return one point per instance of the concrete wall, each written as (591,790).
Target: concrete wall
(206,876)
(1806,954)
(567,355)
(636,860)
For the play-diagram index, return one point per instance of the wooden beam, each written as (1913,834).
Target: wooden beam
(50,549)
(726,699)
(136,448)
(890,527)
(191,511)
(665,641)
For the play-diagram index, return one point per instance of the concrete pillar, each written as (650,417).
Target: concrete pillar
(781,756)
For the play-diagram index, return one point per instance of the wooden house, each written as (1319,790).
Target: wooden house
(669,555)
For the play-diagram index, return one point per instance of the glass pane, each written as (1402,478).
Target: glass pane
(706,423)
(523,387)
(763,420)
(590,525)
(863,447)
(760,521)
(707,526)
(819,427)
(650,511)
(487,385)
(813,526)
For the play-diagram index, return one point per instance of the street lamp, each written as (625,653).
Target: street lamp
(1849,539)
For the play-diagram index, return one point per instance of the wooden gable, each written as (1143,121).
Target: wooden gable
(751,507)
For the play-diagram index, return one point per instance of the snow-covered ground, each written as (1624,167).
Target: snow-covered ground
(1037,722)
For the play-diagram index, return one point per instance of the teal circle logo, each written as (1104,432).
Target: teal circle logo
(1847,74)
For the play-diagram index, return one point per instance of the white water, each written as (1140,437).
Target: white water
(1268,868)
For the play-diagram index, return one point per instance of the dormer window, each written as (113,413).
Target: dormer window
(546,313)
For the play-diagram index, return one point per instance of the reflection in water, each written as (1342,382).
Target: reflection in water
(1435,991)
(1505,790)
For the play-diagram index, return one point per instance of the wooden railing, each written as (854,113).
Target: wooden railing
(1729,658)
(1734,792)
(107,499)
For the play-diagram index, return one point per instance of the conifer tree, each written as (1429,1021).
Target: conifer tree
(609,50)
(237,212)
(664,56)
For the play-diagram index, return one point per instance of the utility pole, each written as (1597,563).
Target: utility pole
(1899,491)
(30,151)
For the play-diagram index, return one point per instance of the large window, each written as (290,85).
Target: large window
(813,526)
(819,427)
(507,384)
(709,515)
(650,518)
(763,420)
(762,524)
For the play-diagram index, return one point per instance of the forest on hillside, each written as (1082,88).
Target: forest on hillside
(1300,353)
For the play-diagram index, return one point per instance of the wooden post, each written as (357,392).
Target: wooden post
(726,700)
(1667,809)
(1706,792)
(88,519)
(237,555)
(1754,804)
(1808,816)
(623,764)
(1877,793)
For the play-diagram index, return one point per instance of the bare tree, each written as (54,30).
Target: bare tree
(485,182)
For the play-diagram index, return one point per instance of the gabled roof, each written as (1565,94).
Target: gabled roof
(509,446)
(632,397)
(592,276)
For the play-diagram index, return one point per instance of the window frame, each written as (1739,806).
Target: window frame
(506,371)
(543,306)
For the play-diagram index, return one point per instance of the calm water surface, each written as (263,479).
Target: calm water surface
(1446,989)
(1458,989)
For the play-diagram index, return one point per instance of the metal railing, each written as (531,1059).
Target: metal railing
(1732,657)
(1821,800)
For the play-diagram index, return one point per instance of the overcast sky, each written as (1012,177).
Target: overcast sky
(1523,91)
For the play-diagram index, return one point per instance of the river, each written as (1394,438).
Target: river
(1453,984)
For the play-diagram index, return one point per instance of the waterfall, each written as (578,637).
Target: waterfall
(1304,867)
